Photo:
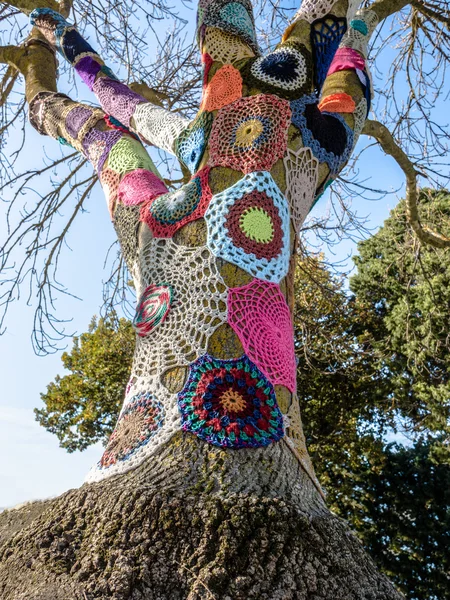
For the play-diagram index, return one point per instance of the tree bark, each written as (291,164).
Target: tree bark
(195,522)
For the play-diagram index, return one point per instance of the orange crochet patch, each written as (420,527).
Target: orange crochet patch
(223,89)
(337,103)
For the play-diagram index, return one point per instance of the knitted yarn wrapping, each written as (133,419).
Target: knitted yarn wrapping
(117,99)
(250,134)
(260,317)
(191,144)
(140,186)
(337,103)
(285,72)
(224,88)
(328,135)
(126,224)
(158,126)
(152,308)
(326,35)
(128,154)
(97,146)
(302,171)
(310,10)
(110,182)
(168,213)
(248,226)
(360,31)
(346,58)
(229,403)
(225,47)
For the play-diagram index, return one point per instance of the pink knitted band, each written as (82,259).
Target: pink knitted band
(346,59)
(139,186)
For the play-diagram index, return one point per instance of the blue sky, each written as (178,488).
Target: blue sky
(35,466)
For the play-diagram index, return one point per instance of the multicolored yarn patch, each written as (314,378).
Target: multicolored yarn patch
(97,146)
(328,135)
(117,99)
(168,213)
(248,226)
(260,317)
(152,309)
(285,72)
(234,17)
(326,35)
(230,403)
(191,144)
(137,424)
(251,133)
(224,88)
(141,185)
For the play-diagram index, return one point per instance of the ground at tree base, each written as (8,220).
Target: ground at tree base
(203,537)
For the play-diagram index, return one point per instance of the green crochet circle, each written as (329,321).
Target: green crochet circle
(257,225)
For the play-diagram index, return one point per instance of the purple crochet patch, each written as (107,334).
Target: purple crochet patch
(76,118)
(88,68)
(117,99)
(97,145)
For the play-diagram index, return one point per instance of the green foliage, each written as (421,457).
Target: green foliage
(405,290)
(82,406)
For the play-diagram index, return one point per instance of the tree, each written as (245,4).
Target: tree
(245,518)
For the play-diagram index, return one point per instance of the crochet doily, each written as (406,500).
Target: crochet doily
(158,126)
(198,305)
(126,224)
(168,213)
(152,308)
(326,35)
(248,226)
(149,418)
(128,154)
(250,134)
(302,170)
(310,10)
(117,99)
(140,186)
(225,47)
(191,144)
(285,72)
(110,183)
(230,403)
(97,146)
(360,31)
(224,88)
(232,17)
(259,315)
(328,135)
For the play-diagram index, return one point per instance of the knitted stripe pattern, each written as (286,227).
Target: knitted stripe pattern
(285,72)
(250,134)
(328,135)
(248,226)
(152,308)
(169,212)
(259,315)
(230,403)
(224,88)
(191,144)
(326,35)
(302,171)
(138,186)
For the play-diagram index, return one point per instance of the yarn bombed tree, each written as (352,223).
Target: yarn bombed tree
(205,488)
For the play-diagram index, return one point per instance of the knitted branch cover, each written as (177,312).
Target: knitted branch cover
(231,17)
(230,403)
(302,171)
(225,47)
(328,135)
(360,31)
(158,126)
(250,134)
(97,146)
(140,186)
(224,88)
(248,226)
(126,224)
(168,213)
(285,72)
(326,35)
(128,154)
(191,144)
(197,308)
(152,309)
(117,99)
(310,10)
(261,319)
(110,182)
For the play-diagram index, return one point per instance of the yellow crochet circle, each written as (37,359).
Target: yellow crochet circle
(257,225)
(232,401)
(248,132)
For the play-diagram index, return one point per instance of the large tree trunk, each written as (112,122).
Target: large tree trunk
(194,522)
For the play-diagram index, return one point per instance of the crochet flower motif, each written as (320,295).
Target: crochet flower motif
(260,316)
(191,144)
(328,135)
(285,72)
(230,403)
(152,309)
(251,133)
(137,424)
(139,186)
(326,35)
(248,226)
(168,213)
(224,88)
